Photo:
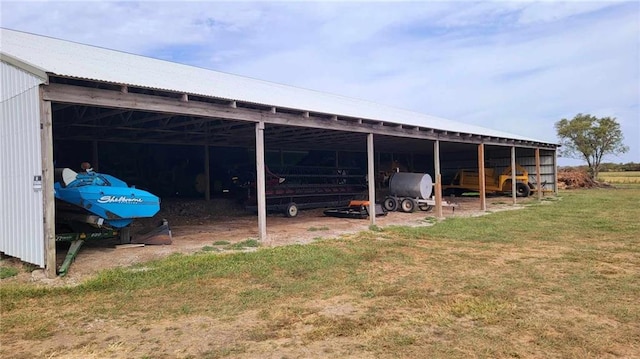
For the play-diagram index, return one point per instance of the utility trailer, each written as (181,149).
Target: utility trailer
(306,187)
(411,191)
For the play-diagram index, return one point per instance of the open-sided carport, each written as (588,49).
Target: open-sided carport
(98,95)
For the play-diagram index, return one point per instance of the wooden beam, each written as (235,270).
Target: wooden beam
(438,179)
(207,177)
(156,117)
(95,160)
(141,102)
(371,179)
(481,178)
(97,117)
(48,197)
(538,177)
(513,174)
(261,183)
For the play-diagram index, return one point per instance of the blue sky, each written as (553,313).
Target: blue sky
(513,66)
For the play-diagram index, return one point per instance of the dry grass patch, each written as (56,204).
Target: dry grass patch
(558,280)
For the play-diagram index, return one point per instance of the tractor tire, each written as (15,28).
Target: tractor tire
(425,207)
(408,205)
(522,190)
(390,204)
(291,210)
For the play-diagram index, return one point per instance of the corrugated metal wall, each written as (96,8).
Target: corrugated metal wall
(526,158)
(21,216)
(499,158)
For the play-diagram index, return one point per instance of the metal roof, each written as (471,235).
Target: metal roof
(45,55)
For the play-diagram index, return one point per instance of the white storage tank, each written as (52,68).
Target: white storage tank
(413,185)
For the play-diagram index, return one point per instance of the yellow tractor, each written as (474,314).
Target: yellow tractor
(468,181)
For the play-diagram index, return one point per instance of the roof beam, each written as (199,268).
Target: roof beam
(133,101)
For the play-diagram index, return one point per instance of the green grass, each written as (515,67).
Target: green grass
(555,279)
(249,243)
(6,272)
(315,229)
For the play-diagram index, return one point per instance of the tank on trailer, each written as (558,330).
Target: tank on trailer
(414,185)
(409,191)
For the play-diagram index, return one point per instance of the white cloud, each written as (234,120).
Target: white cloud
(512,66)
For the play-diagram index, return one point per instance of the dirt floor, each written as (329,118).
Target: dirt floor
(198,224)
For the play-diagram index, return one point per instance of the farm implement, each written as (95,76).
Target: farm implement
(469,181)
(355,209)
(91,205)
(306,187)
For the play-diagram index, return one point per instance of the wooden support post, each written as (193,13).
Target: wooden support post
(513,174)
(207,174)
(538,177)
(412,167)
(481,179)
(438,179)
(377,165)
(261,182)
(48,197)
(95,160)
(555,171)
(372,180)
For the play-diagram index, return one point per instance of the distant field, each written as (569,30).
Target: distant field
(620,177)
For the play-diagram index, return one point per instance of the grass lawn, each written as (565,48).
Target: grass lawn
(560,278)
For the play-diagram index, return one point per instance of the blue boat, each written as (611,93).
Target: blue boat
(91,205)
(105,196)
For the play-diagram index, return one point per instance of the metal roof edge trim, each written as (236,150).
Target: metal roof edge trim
(23,65)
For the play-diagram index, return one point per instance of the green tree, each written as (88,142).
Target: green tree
(590,138)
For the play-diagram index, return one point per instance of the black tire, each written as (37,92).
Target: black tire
(408,205)
(291,210)
(425,207)
(390,204)
(522,190)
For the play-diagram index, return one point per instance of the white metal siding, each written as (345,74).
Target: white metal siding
(526,158)
(21,216)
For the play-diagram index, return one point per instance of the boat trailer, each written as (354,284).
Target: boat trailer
(96,206)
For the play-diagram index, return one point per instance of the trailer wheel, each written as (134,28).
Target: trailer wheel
(425,207)
(522,190)
(390,204)
(292,210)
(408,205)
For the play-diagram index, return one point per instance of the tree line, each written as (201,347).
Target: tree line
(610,167)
